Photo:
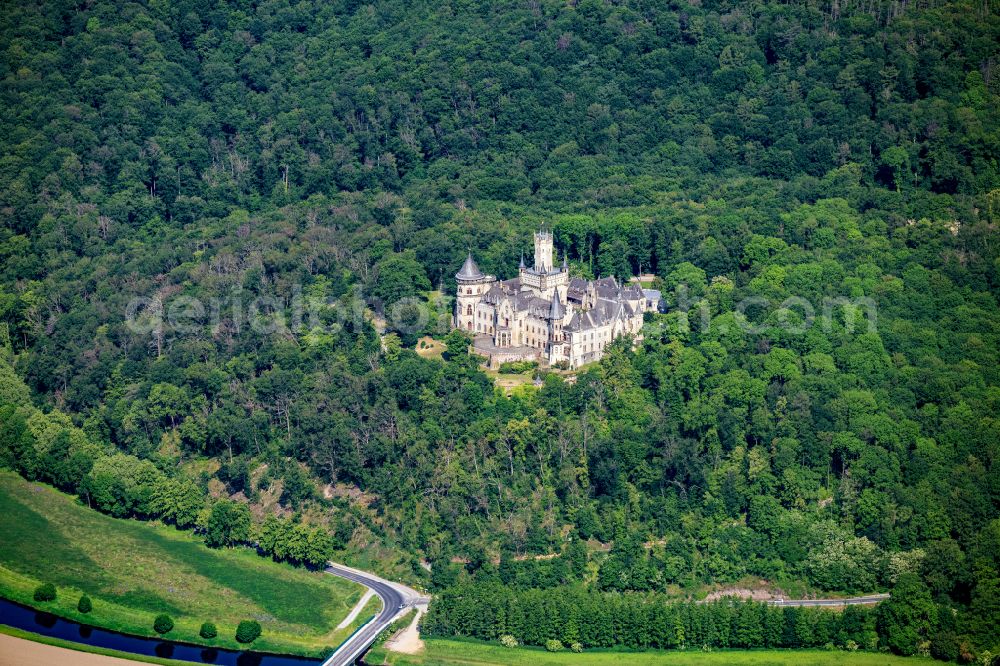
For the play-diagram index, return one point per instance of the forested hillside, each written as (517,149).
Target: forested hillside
(815,184)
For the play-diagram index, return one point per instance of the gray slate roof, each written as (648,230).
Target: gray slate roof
(556,311)
(470,271)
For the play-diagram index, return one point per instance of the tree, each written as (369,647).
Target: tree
(17,443)
(122,485)
(908,616)
(247,631)
(66,462)
(228,524)
(943,566)
(764,514)
(457,345)
(297,486)
(897,160)
(208,630)
(178,501)
(613,259)
(45,592)
(84,605)
(163,624)
(984,613)
(167,404)
(13,390)
(849,564)
(576,554)
(399,276)
(319,547)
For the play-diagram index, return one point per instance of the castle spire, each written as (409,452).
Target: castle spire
(556,311)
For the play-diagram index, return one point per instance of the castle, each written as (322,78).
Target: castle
(544,315)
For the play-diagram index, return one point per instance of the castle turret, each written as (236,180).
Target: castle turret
(557,313)
(469,271)
(472,284)
(556,310)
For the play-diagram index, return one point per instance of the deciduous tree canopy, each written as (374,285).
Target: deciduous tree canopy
(201,205)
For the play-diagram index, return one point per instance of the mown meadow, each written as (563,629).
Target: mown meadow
(134,571)
(461,653)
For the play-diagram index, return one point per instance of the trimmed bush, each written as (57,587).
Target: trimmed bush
(208,630)
(162,624)
(508,641)
(552,645)
(45,592)
(248,631)
(84,605)
(517,367)
(576,647)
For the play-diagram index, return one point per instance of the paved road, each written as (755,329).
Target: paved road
(395,598)
(853,601)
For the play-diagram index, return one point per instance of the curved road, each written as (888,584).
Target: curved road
(395,599)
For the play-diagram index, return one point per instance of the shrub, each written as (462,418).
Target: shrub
(208,630)
(45,592)
(508,641)
(946,646)
(162,624)
(84,605)
(576,647)
(517,367)
(552,645)
(248,631)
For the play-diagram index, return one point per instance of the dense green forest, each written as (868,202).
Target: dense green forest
(816,186)
(533,617)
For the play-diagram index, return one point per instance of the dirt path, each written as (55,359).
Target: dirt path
(21,652)
(408,640)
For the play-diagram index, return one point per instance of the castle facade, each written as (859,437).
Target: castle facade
(544,315)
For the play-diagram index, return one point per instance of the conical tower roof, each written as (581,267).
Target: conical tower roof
(469,270)
(556,311)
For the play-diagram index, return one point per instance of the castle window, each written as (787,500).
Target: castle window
(468,310)
(468,290)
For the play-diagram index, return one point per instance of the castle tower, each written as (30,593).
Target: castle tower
(472,284)
(556,315)
(543,251)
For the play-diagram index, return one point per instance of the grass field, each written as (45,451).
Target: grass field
(134,571)
(69,645)
(462,653)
